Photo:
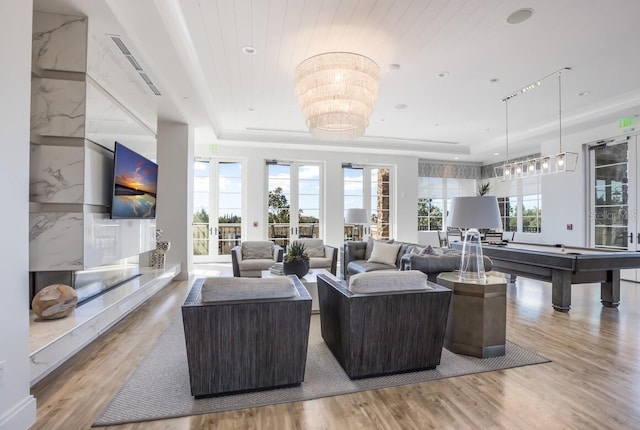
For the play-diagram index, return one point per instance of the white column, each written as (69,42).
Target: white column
(175,192)
(17,405)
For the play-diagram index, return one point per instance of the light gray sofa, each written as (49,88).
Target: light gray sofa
(356,259)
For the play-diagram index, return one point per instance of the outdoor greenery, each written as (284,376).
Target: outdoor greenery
(429,215)
(279,209)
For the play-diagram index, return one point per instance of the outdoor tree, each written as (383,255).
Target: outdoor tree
(278,206)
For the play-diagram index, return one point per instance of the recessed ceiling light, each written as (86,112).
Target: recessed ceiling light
(521,15)
(250,109)
(401,106)
(496,153)
(456,158)
(493,80)
(443,74)
(584,93)
(394,66)
(249,50)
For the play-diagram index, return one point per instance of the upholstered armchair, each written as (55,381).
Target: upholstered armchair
(321,256)
(252,257)
(245,334)
(383,322)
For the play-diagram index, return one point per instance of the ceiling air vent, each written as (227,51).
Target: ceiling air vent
(132,60)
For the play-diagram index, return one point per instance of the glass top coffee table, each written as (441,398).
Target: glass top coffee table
(310,281)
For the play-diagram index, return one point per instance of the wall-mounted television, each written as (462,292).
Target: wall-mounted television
(135,183)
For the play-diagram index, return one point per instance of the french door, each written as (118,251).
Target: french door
(614,197)
(294,203)
(217,206)
(368,187)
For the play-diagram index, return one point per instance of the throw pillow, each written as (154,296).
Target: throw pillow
(369,249)
(257,250)
(434,251)
(385,253)
(418,250)
(382,281)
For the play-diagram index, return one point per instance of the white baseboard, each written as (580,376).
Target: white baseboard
(21,416)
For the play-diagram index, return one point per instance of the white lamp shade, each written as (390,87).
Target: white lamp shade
(356,216)
(475,212)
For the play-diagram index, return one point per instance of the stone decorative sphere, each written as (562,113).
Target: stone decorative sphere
(54,301)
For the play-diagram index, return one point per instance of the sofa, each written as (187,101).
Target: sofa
(381,323)
(245,334)
(360,257)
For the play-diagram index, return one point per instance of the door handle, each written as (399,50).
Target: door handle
(631,237)
(638,237)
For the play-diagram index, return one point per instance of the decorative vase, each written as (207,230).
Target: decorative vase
(298,268)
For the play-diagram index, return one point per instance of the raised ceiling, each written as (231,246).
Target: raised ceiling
(457,59)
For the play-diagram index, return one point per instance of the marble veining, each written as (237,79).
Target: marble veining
(56,174)
(55,241)
(57,107)
(59,42)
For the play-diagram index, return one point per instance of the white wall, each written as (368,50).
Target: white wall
(17,406)
(175,192)
(404,181)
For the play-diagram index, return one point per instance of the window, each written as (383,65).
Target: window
(531,213)
(430,214)
(509,213)
(434,199)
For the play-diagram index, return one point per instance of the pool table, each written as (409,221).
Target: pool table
(563,266)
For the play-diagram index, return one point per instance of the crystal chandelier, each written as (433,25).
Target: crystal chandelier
(563,161)
(337,91)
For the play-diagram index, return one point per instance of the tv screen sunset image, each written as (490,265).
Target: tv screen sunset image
(135,185)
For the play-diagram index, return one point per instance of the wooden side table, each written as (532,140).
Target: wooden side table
(477,322)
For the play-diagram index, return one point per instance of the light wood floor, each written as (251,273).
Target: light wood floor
(593,381)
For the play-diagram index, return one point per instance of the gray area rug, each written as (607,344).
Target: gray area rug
(159,387)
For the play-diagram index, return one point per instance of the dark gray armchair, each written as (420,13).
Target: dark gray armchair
(382,333)
(246,334)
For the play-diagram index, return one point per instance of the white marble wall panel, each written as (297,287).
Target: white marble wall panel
(98,175)
(56,174)
(55,241)
(112,71)
(57,107)
(59,42)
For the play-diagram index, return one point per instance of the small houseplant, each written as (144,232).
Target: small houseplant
(296,261)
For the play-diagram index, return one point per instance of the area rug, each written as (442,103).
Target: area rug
(159,387)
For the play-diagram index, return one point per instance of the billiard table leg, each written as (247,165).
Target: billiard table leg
(561,290)
(610,290)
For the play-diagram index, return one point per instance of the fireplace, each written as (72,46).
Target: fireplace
(90,283)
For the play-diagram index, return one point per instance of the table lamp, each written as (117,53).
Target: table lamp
(356,216)
(473,213)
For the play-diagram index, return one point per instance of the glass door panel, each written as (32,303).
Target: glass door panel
(217,204)
(279,206)
(308,202)
(614,199)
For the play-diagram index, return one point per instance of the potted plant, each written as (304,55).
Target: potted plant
(296,261)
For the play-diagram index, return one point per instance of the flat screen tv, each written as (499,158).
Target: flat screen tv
(135,183)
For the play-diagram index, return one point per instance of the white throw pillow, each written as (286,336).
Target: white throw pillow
(226,288)
(385,253)
(382,281)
